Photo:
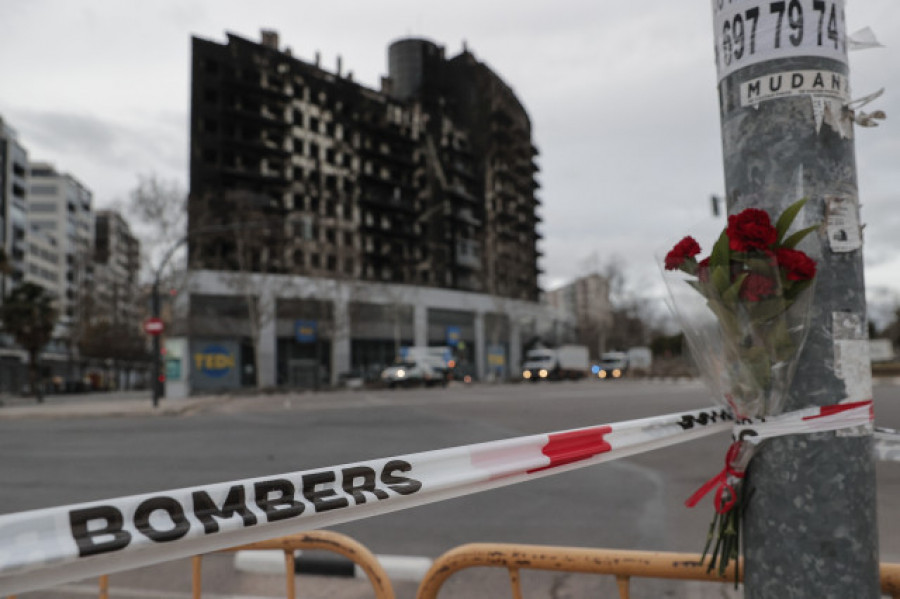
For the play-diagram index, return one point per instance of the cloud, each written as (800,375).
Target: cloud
(102,153)
(622,98)
(71,133)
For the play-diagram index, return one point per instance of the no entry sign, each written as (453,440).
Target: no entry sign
(153,326)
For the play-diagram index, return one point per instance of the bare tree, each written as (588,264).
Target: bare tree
(629,318)
(160,208)
(253,246)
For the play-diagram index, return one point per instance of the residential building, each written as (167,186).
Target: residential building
(47,229)
(587,300)
(117,255)
(60,206)
(44,261)
(428,182)
(13,191)
(13,228)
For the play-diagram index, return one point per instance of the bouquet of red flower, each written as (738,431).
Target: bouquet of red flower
(744,311)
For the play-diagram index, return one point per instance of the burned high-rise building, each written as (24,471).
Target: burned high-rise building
(332,225)
(429,181)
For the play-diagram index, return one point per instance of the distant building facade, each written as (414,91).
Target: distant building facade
(429,182)
(47,231)
(61,207)
(587,300)
(13,227)
(117,264)
(13,213)
(44,262)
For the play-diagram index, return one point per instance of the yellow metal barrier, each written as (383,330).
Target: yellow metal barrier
(619,563)
(324,540)
(623,564)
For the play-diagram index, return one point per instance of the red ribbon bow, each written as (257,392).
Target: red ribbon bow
(721,482)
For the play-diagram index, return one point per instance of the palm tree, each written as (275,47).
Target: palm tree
(27,314)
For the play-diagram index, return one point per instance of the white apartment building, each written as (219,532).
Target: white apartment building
(13,227)
(13,189)
(59,206)
(44,262)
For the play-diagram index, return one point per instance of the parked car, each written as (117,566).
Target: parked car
(354,379)
(409,373)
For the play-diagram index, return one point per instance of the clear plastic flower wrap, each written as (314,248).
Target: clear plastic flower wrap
(745,339)
(744,311)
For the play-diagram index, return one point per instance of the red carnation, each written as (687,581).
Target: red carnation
(756,286)
(750,230)
(684,249)
(797,265)
(703,270)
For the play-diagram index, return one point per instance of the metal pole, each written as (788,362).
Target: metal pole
(810,525)
(157,362)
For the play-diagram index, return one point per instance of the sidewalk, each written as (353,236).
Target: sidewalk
(106,405)
(140,403)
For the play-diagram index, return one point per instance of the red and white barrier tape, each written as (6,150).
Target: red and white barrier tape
(47,547)
(747,434)
(808,420)
(886,444)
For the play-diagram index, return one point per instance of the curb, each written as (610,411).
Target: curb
(399,568)
(110,408)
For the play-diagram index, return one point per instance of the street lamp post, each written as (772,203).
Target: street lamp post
(155,310)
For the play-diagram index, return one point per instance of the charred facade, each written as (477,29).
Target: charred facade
(429,181)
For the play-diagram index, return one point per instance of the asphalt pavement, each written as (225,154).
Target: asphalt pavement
(111,404)
(139,404)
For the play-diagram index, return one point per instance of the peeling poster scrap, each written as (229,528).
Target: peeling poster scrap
(851,355)
(842,225)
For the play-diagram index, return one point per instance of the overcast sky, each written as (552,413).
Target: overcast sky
(622,99)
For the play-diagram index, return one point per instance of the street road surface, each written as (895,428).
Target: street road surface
(633,503)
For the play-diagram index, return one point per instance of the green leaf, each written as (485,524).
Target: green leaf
(797,237)
(787,218)
(689,265)
(763,266)
(721,253)
(727,319)
(730,295)
(766,309)
(758,365)
(719,277)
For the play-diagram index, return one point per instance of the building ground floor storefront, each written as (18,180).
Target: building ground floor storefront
(311,332)
(60,372)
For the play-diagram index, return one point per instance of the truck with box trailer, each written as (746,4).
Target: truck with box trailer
(563,362)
